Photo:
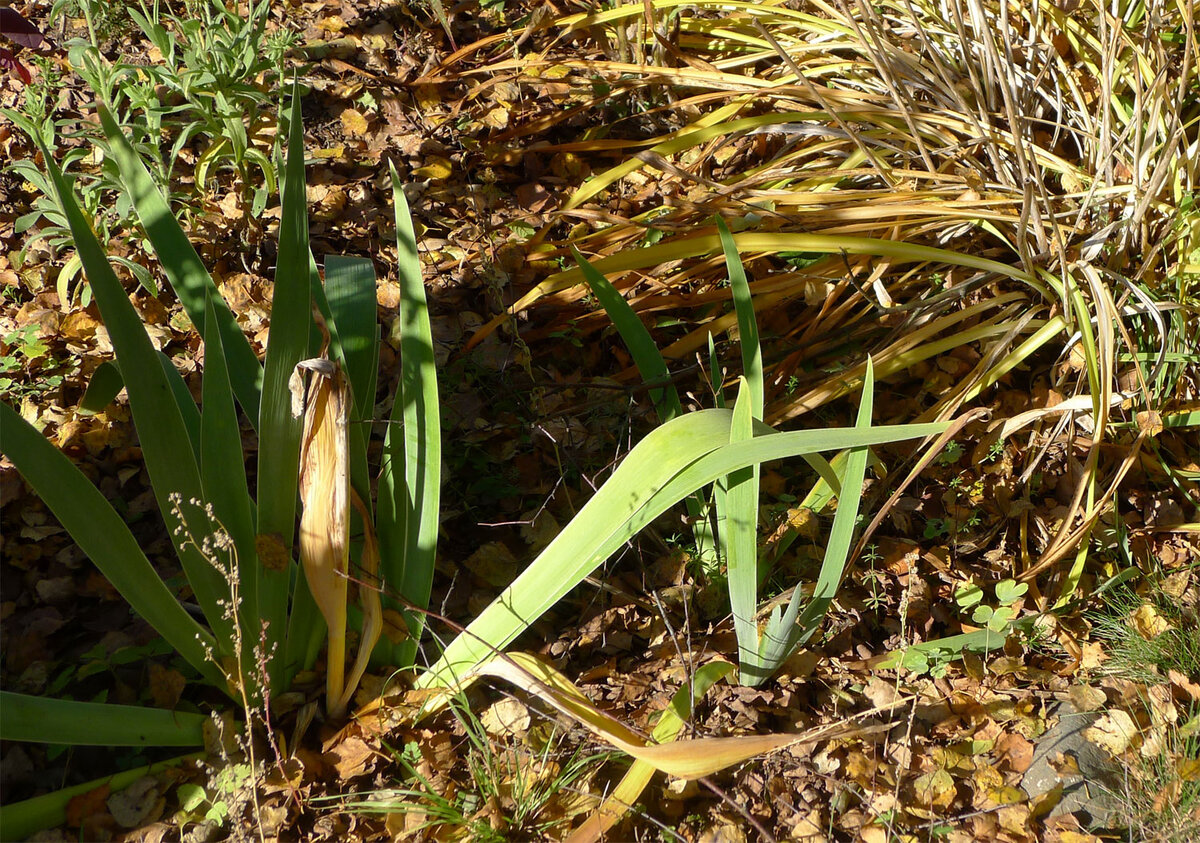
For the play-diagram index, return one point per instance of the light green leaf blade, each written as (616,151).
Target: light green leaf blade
(673,461)
(410,480)
(739,523)
(653,369)
(787,631)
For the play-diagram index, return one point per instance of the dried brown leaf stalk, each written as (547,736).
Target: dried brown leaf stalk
(326,498)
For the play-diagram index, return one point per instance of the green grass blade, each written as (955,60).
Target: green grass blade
(156,413)
(673,461)
(410,480)
(49,720)
(287,345)
(183,267)
(223,474)
(646,356)
(104,537)
(740,533)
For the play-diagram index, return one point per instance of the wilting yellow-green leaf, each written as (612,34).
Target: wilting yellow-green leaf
(691,759)
(627,791)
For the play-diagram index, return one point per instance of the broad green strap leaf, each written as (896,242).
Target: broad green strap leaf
(673,461)
(280,430)
(223,473)
(162,432)
(739,530)
(49,720)
(737,509)
(348,303)
(183,399)
(183,267)
(653,369)
(410,479)
(350,289)
(107,382)
(104,537)
(752,366)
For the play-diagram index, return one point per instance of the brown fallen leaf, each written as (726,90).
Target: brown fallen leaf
(349,757)
(166,685)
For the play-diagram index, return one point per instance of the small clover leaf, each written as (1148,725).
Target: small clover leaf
(1010,591)
(998,622)
(967,595)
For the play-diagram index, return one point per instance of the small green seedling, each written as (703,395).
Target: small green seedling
(997,618)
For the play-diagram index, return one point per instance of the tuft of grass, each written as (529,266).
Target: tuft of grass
(1160,797)
(523,787)
(1134,656)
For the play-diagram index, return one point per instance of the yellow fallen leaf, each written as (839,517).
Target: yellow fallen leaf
(508,716)
(1148,622)
(690,759)
(627,791)
(1150,422)
(497,118)
(435,168)
(354,123)
(1114,732)
(332,23)
(935,790)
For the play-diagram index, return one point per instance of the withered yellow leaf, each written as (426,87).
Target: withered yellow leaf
(436,168)
(325,514)
(354,123)
(1113,732)
(1148,622)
